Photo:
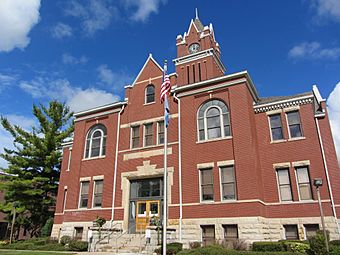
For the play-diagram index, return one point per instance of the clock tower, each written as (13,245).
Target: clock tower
(198,54)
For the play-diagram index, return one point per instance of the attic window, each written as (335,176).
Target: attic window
(150,94)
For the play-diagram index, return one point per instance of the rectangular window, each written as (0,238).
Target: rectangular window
(188,74)
(230,232)
(208,235)
(69,159)
(303,181)
(283,179)
(294,124)
(160,132)
(148,134)
(276,127)
(98,193)
(135,137)
(84,194)
(310,230)
(64,200)
(193,71)
(78,233)
(291,232)
(228,186)
(207,184)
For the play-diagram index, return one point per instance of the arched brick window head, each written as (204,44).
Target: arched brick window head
(213,120)
(96,142)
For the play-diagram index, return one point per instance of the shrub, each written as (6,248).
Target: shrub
(334,250)
(335,242)
(47,228)
(317,244)
(171,248)
(65,240)
(268,246)
(76,245)
(195,245)
(297,247)
(239,245)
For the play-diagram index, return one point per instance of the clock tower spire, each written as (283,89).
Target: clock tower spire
(198,54)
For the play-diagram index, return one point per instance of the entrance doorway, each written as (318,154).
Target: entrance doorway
(146,199)
(145,211)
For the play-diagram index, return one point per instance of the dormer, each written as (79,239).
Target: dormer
(198,54)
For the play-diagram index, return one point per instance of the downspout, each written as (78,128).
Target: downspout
(179,168)
(116,169)
(327,175)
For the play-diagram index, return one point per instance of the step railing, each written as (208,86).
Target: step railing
(139,235)
(111,230)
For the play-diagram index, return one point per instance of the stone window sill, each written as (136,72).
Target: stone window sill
(215,139)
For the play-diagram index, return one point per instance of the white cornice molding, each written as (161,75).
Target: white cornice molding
(283,103)
(99,108)
(244,74)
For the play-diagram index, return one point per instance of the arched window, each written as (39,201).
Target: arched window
(150,94)
(213,120)
(96,141)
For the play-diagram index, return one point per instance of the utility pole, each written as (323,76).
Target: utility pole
(318,184)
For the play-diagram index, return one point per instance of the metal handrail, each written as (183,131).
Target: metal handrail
(108,235)
(123,233)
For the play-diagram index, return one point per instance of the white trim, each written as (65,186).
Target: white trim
(96,115)
(317,95)
(244,75)
(69,159)
(99,108)
(278,184)
(144,137)
(205,165)
(301,163)
(270,129)
(102,136)
(64,200)
(226,163)
(273,112)
(297,183)
(79,198)
(98,177)
(85,179)
(141,71)
(145,121)
(283,103)
(292,109)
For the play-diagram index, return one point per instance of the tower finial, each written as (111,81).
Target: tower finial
(196,10)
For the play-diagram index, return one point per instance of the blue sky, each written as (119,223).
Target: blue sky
(83,52)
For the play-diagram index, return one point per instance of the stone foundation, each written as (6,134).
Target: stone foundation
(250,229)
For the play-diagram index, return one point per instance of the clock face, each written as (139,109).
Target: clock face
(193,48)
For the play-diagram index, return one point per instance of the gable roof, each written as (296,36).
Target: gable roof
(150,58)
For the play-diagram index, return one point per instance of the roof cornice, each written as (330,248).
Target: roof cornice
(243,74)
(100,108)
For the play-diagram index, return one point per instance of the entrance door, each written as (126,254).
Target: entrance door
(145,211)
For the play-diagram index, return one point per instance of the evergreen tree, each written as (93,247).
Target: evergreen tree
(32,175)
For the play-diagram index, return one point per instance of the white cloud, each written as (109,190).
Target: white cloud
(333,104)
(116,79)
(77,98)
(69,59)
(6,81)
(17,18)
(313,50)
(94,14)
(329,9)
(6,140)
(143,8)
(61,30)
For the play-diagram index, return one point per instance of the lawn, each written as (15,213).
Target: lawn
(2,252)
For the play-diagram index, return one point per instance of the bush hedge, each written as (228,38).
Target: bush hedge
(76,245)
(269,246)
(219,250)
(171,248)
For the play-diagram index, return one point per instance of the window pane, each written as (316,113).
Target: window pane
(230,232)
(206,176)
(214,133)
(295,131)
(277,134)
(208,192)
(104,146)
(98,187)
(283,176)
(286,193)
(142,208)
(135,142)
(85,188)
(213,122)
(228,191)
(291,232)
(201,124)
(150,94)
(97,134)
(311,230)
(202,135)
(227,130)
(208,235)
(293,118)
(227,174)
(95,152)
(302,175)
(135,131)
(226,120)
(305,192)
(213,112)
(275,121)
(154,208)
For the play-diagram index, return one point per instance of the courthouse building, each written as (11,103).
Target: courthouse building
(240,166)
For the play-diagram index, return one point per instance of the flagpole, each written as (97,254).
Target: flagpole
(165,181)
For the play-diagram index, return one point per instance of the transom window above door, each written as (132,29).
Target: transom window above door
(213,120)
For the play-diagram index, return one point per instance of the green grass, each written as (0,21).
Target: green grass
(2,252)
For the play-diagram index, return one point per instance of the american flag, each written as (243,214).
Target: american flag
(166,87)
